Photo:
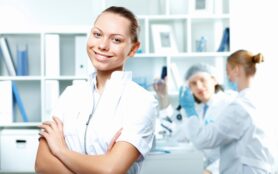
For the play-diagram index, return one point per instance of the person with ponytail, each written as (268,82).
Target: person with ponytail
(239,132)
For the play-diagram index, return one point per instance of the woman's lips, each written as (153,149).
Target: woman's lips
(201,93)
(102,57)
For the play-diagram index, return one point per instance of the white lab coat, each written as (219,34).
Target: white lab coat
(216,105)
(123,104)
(244,146)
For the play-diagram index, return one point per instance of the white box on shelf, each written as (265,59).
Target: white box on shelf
(51,97)
(81,57)
(6,102)
(18,148)
(52,55)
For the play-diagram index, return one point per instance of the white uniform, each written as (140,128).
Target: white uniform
(215,106)
(239,134)
(123,104)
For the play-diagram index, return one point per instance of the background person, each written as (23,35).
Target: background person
(240,131)
(204,97)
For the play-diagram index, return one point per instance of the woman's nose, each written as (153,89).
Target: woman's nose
(199,85)
(103,44)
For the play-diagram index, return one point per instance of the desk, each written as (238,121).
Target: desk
(182,159)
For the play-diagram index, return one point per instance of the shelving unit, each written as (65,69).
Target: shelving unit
(187,28)
(32,87)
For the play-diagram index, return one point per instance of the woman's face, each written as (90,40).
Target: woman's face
(109,43)
(231,72)
(202,86)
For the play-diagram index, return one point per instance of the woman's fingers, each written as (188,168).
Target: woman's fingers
(59,123)
(48,126)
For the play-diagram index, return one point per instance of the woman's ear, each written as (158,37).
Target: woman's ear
(134,48)
(237,70)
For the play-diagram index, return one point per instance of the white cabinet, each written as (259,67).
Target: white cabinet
(18,150)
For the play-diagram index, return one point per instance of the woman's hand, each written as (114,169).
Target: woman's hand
(187,101)
(52,131)
(160,87)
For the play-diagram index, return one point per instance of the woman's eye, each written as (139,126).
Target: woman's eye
(193,83)
(117,40)
(96,34)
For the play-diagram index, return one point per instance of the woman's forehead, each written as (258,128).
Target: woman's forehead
(113,23)
(200,75)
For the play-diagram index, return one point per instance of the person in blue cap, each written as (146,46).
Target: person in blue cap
(203,96)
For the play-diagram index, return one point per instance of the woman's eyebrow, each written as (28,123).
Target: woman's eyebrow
(113,34)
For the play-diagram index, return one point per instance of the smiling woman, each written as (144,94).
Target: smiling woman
(96,122)
(110,45)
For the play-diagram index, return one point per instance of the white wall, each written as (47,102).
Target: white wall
(29,13)
(254,27)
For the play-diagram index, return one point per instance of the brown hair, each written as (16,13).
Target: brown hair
(246,59)
(124,12)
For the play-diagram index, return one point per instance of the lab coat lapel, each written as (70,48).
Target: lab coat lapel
(105,122)
(111,97)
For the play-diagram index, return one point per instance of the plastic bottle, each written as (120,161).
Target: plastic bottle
(201,44)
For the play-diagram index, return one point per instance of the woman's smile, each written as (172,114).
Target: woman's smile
(101,56)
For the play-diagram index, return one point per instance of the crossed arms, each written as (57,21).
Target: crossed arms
(53,156)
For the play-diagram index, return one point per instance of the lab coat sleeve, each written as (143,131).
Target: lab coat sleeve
(139,124)
(62,103)
(69,101)
(230,125)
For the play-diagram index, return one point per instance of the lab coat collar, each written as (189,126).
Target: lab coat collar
(251,94)
(124,75)
(245,91)
(116,75)
(213,98)
(121,75)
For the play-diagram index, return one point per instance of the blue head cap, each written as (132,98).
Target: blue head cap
(200,67)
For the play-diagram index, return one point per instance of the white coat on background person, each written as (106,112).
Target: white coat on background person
(207,92)
(245,147)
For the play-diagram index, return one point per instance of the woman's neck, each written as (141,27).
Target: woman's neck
(244,83)
(101,78)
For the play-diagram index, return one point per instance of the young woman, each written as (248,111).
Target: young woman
(238,130)
(89,115)
(204,97)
